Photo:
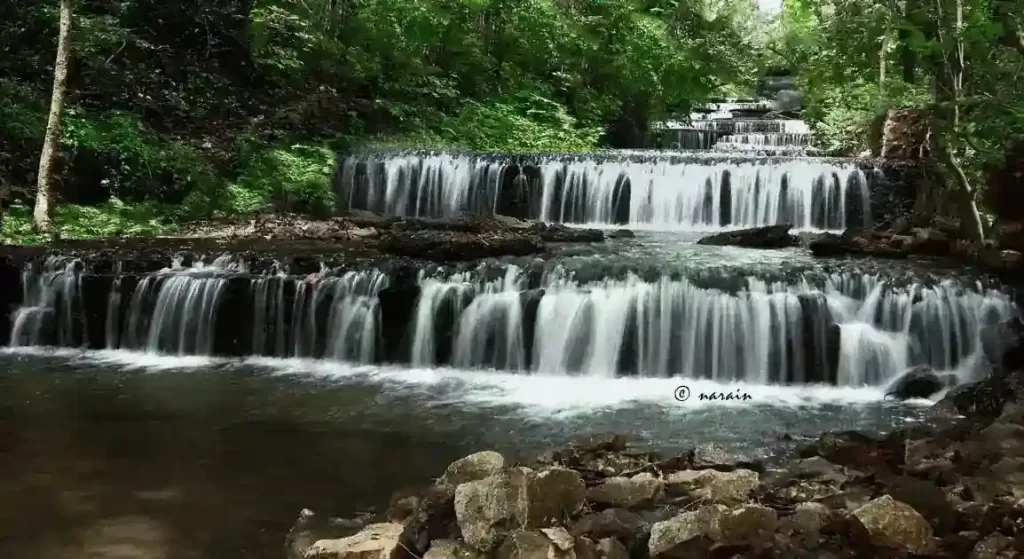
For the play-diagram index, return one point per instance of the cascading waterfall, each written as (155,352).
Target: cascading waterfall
(51,306)
(321,316)
(660,193)
(765,333)
(352,316)
(174,311)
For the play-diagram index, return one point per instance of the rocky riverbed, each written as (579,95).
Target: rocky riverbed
(951,488)
(355,236)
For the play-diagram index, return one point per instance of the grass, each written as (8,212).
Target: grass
(70,221)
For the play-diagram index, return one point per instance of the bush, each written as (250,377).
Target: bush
(296,178)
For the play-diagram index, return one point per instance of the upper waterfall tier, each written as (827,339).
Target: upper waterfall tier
(642,190)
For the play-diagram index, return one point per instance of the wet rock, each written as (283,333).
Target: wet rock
(687,535)
(712,485)
(748,525)
(554,494)
(449,549)
(712,456)
(487,509)
(609,523)
(809,518)
(856,243)
(376,541)
(626,492)
(621,234)
(473,467)
(611,548)
(772,236)
(996,546)
(918,382)
(896,525)
(523,544)
(428,516)
(310,527)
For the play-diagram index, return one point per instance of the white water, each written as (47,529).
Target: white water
(766,333)
(49,300)
(542,396)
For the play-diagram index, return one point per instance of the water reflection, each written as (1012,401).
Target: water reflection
(100,453)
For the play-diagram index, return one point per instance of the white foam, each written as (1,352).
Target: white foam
(542,395)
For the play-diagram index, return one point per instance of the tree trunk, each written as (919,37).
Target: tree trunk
(41,216)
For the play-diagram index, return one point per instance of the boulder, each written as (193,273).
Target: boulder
(626,492)
(621,234)
(310,527)
(488,509)
(772,236)
(712,485)
(918,382)
(524,544)
(473,468)
(691,533)
(376,541)
(450,549)
(609,523)
(896,525)
(554,495)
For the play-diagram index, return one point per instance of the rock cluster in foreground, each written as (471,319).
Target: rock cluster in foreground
(955,491)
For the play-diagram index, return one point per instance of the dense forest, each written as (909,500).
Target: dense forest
(231,107)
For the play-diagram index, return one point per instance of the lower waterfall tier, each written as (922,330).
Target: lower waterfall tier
(844,329)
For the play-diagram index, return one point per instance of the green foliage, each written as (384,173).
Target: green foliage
(523,124)
(71,221)
(293,178)
(843,114)
(160,94)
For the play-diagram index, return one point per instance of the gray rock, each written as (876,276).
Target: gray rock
(720,487)
(450,549)
(488,509)
(918,382)
(996,546)
(611,548)
(555,494)
(690,533)
(896,525)
(614,523)
(626,492)
(523,544)
(473,467)
(749,525)
(376,541)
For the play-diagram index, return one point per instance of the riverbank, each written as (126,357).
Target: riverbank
(945,488)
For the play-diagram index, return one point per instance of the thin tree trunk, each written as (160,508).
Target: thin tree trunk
(41,216)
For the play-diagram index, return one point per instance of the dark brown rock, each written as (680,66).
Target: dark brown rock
(772,236)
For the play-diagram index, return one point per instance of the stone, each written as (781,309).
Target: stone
(809,518)
(559,537)
(611,548)
(772,236)
(621,234)
(488,509)
(310,527)
(713,456)
(896,525)
(712,485)
(626,492)
(923,457)
(917,382)
(690,533)
(749,525)
(554,494)
(930,242)
(523,544)
(431,518)
(996,546)
(376,541)
(613,523)
(449,549)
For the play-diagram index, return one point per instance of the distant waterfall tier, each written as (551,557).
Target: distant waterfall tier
(648,191)
(838,328)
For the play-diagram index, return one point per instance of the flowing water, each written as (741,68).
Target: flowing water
(227,399)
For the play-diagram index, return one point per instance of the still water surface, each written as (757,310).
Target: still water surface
(112,454)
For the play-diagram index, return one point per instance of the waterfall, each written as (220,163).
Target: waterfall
(174,311)
(51,305)
(861,328)
(335,317)
(689,193)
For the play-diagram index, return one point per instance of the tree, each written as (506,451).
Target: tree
(51,142)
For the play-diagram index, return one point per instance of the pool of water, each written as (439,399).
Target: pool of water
(104,452)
